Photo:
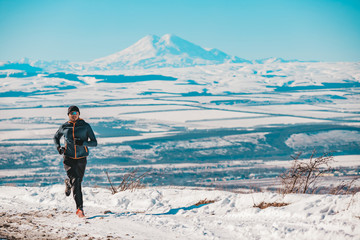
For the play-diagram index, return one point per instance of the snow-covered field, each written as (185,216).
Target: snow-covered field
(171,213)
(203,115)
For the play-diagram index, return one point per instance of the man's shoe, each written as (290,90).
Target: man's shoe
(80,213)
(67,187)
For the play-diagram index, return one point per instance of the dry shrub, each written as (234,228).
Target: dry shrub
(10,185)
(346,187)
(130,181)
(303,176)
(205,201)
(264,205)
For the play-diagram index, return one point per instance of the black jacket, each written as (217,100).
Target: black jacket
(72,130)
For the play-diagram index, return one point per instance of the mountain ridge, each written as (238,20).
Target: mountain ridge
(150,52)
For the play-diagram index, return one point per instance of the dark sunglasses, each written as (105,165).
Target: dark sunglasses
(74,113)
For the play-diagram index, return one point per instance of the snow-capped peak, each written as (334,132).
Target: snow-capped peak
(166,51)
(147,41)
(168,39)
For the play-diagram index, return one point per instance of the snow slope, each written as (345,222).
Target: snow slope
(170,213)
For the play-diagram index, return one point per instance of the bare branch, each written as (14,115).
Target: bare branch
(303,176)
(113,189)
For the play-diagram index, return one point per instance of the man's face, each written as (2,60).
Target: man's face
(74,116)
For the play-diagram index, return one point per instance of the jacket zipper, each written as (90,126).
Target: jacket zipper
(74,137)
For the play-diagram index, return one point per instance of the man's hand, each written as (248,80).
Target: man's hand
(79,142)
(61,150)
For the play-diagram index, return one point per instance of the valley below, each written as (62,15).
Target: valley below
(228,126)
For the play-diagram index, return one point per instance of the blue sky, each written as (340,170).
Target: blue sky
(83,30)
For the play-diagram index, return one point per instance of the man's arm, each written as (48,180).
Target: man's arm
(91,135)
(57,137)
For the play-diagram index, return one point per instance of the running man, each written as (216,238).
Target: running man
(78,137)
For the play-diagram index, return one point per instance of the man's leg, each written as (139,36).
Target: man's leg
(75,169)
(69,168)
(80,171)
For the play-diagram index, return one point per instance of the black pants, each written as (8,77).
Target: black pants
(75,169)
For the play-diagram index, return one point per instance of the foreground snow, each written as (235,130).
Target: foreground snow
(170,213)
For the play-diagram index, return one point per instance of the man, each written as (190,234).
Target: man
(77,134)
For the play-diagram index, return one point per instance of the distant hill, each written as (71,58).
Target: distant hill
(277,60)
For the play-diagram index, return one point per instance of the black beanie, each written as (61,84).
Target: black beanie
(73,108)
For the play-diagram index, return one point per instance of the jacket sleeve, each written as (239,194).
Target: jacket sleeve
(57,136)
(91,135)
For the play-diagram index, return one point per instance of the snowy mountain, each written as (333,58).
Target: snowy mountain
(166,51)
(30,65)
(277,60)
(150,52)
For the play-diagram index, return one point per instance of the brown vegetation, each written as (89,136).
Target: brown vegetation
(130,181)
(264,205)
(204,201)
(303,176)
(346,187)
